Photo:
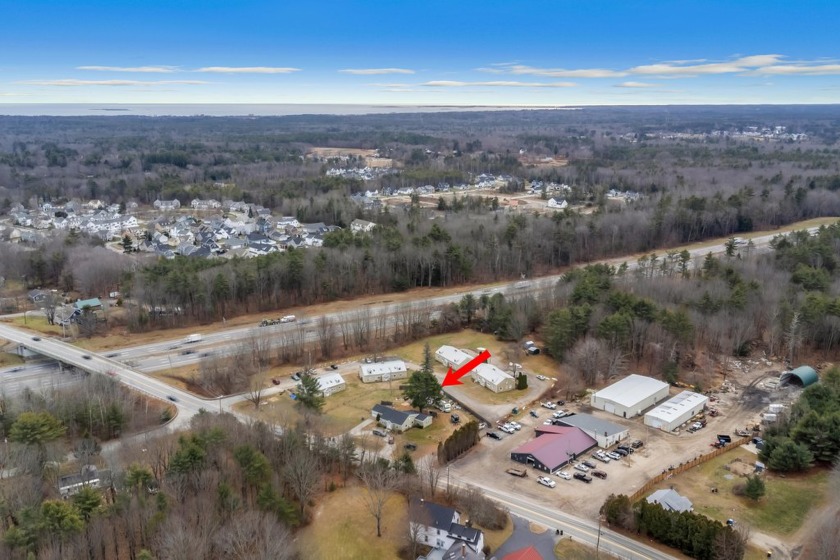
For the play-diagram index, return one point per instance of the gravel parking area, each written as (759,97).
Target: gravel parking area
(488,461)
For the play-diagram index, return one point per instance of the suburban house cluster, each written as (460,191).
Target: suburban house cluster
(218,229)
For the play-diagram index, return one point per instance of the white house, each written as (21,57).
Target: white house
(331,383)
(383,371)
(675,412)
(491,377)
(451,356)
(440,528)
(167,204)
(630,396)
(361,226)
(557,204)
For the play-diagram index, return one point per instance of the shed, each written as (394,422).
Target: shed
(801,376)
(92,303)
(675,412)
(630,396)
(670,500)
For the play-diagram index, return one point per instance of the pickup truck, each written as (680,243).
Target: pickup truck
(522,473)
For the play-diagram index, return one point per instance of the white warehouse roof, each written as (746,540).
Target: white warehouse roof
(491,373)
(329,380)
(391,366)
(631,390)
(674,408)
(453,355)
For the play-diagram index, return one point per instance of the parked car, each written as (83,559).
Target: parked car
(378,432)
(583,477)
(545,481)
(564,475)
(333,366)
(534,414)
(454,418)
(507,429)
(516,425)
(601,455)
(549,422)
(599,474)
(637,444)
(581,468)
(559,414)
(613,455)
(549,405)
(561,402)
(410,446)
(482,425)
(275,381)
(494,435)
(542,377)
(625,448)
(621,452)
(296,376)
(589,464)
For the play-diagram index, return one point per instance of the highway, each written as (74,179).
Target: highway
(128,364)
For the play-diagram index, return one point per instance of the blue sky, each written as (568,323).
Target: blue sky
(462,52)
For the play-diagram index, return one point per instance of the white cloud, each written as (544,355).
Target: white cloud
(634,85)
(247,70)
(375,71)
(800,69)
(521,70)
(116,83)
(448,83)
(694,68)
(143,69)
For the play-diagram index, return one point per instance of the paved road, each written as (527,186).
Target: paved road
(580,529)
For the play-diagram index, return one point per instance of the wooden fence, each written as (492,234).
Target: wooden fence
(684,467)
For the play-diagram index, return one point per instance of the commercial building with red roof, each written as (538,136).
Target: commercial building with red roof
(553,447)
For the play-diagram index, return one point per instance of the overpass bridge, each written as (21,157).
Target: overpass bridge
(186,403)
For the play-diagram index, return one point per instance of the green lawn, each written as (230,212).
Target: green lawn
(782,510)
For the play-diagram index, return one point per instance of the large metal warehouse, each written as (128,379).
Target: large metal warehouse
(675,412)
(630,396)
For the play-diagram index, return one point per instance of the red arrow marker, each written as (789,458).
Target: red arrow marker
(454,378)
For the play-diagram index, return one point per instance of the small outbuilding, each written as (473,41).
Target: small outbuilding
(604,432)
(670,500)
(801,376)
(331,383)
(491,377)
(675,412)
(383,371)
(629,397)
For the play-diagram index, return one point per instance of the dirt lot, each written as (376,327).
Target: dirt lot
(738,408)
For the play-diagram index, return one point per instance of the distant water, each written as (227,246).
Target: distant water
(234,110)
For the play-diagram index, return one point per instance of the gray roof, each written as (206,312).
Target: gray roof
(670,500)
(431,514)
(589,423)
(391,415)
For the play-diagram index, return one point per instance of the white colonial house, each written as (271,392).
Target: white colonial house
(440,528)
(361,226)
(557,204)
